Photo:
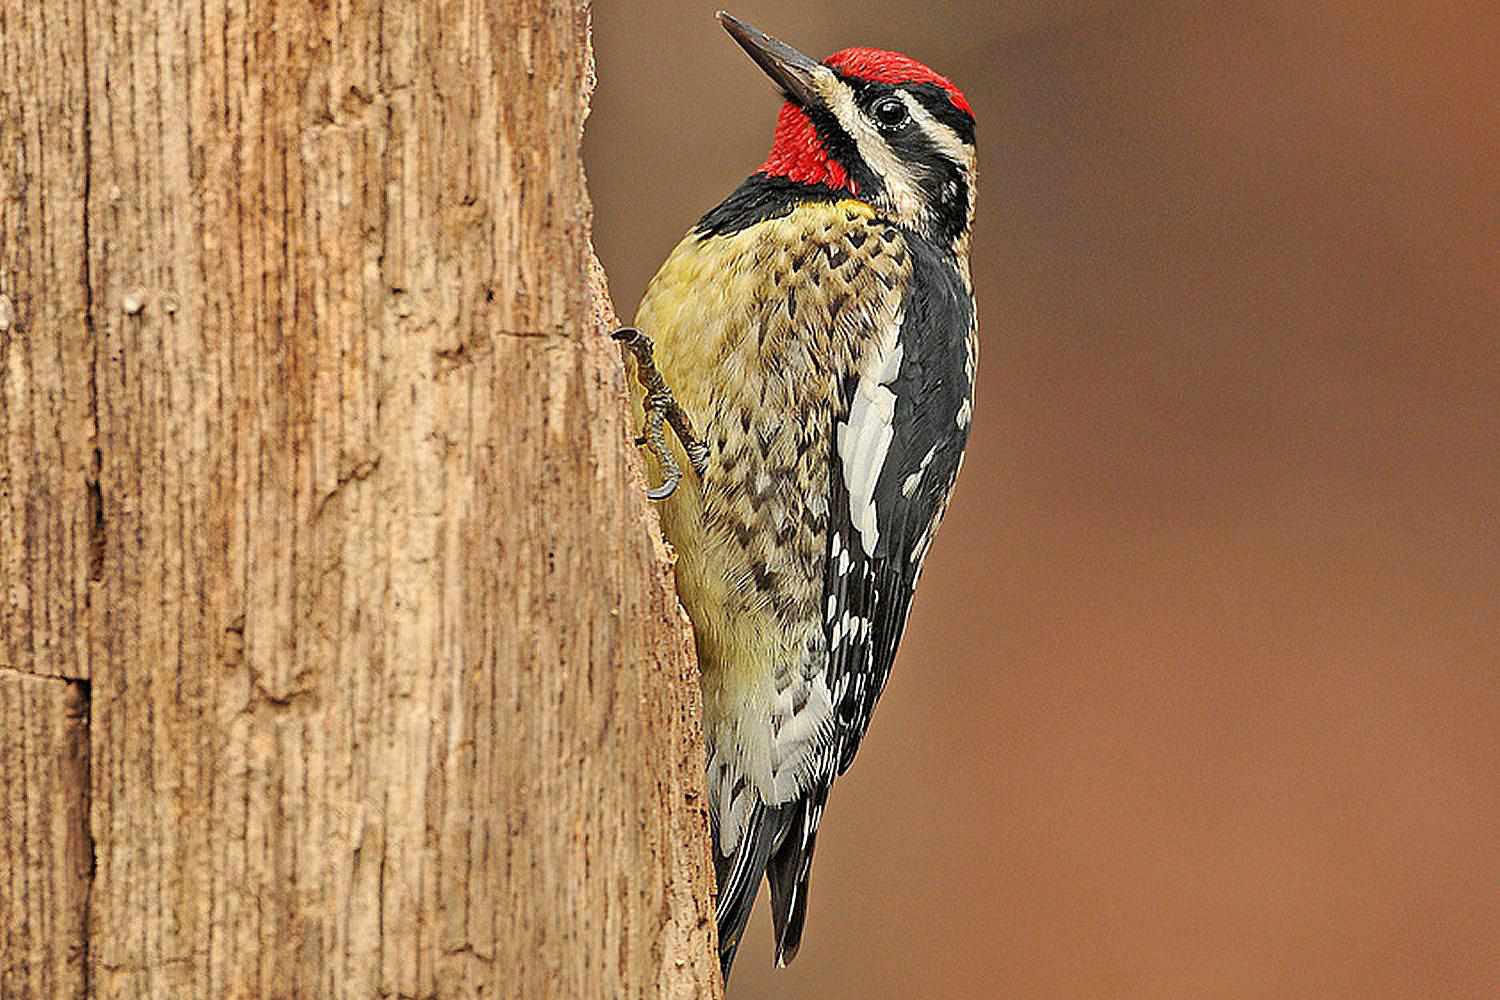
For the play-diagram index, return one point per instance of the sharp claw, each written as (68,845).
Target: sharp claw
(662,492)
(661,409)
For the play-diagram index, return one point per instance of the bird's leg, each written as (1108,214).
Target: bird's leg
(661,407)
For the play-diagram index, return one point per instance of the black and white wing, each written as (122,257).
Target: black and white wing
(897,453)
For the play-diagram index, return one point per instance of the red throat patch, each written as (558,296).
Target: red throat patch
(798,154)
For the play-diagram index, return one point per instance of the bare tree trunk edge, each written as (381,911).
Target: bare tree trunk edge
(339,649)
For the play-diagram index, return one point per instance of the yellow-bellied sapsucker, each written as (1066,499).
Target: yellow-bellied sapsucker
(818,329)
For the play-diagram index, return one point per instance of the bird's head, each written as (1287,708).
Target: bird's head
(878,125)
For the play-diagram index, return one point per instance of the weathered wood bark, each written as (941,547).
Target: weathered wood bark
(317,500)
(44,846)
(48,549)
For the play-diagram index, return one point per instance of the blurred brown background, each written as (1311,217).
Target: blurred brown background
(1200,696)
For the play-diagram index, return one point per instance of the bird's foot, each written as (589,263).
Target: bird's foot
(662,409)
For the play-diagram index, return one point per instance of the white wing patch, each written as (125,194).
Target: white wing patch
(910,483)
(865,437)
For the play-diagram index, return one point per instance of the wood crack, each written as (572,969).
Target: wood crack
(86,277)
(82,706)
(80,710)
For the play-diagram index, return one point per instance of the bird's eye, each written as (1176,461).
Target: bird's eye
(890,113)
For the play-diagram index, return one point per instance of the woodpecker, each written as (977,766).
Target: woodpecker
(812,344)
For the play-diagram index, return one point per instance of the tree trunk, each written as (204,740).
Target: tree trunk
(338,650)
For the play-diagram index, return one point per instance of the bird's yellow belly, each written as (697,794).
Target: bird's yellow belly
(690,314)
(745,338)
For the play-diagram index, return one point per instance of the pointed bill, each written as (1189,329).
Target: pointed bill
(792,71)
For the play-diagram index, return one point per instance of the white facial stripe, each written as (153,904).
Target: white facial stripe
(946,140)
(901,186)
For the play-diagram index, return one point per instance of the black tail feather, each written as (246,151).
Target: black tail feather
(739,876)
(789,870)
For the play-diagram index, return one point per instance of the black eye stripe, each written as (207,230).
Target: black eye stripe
(937,103)
(934,100)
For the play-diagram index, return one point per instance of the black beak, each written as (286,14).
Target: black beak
(792,71)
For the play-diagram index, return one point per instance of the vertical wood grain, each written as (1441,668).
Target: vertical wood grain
(44,846)
(47,432)
(48,549)
(390,692)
